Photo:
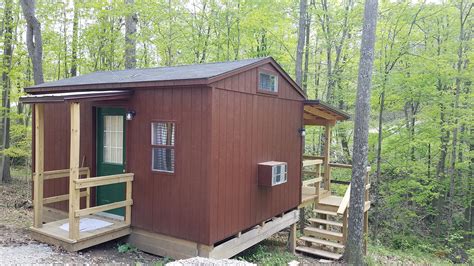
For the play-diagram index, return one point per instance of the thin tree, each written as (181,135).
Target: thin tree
(361,136)
(34,42)
(130,36)
(75,35)
(5,175)
(301,40)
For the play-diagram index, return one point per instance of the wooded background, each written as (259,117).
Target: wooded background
(421,129)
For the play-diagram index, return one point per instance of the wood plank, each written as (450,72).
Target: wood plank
(312,162)
(323,221)
(322,242)
(312,231)
(162,245)
(103,180)
(101,208)
(53,234)
(59,198)
(39,166)
(325,212)
(236,245)
(327,147)
(308,182)
(345,201)
(292,239)
(128,208)
(320,253)
(341,165)
(332,200)
(74,199)
(63,173)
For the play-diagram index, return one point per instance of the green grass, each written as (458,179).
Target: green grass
(269,252)
(380,255)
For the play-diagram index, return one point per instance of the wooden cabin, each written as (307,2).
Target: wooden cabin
(193,160)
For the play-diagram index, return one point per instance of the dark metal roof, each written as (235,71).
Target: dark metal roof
(77,96)
(184,72)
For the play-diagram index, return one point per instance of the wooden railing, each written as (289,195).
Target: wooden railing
(82,188)
(55,174)
(126,178)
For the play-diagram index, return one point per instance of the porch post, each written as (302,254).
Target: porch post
(39,166)
(74,196)
(327,146)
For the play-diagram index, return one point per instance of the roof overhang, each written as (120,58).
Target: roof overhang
(320,113)
(77,96)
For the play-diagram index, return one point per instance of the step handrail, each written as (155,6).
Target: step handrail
(345,201)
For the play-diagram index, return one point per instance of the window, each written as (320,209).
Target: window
(268,82)
(272,173)
(279,175)
(162,141)
(113,139)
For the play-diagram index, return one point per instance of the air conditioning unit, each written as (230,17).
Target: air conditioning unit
(272,173)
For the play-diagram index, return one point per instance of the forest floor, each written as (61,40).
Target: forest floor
(16,246)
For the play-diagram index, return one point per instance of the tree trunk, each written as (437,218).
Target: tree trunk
(354,249)
(34,41)
(75,34)
(301,39)
(130,38)
(5,174)
(306,52)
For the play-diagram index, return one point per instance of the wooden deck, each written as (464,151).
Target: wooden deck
(52,233)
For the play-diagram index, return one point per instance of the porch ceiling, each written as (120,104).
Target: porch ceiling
(76,96)
(319,113)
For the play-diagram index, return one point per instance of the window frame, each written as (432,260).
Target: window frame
(283,175)
(271,73)
(173,147)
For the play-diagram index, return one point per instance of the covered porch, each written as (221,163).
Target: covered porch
(86,224)
(325,232)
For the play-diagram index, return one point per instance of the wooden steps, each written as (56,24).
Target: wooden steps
(320,253)
(324,238)
(321,242)
(327,222)
(322,233)
(325,212)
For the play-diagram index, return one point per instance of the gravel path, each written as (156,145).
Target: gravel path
(27,254)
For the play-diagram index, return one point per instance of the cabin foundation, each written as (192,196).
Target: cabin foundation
(167,246)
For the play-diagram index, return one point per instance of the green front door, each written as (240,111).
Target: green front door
(111,154)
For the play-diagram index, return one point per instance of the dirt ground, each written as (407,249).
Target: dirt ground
(16,246)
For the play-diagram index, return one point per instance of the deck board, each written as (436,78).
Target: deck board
(331,200)
(53,234)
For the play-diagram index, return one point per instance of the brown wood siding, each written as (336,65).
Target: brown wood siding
(172,204)
(248,128)
(56,147)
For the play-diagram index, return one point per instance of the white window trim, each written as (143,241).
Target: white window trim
(270,74)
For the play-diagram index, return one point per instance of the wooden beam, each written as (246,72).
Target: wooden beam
(317,112)
(312,162)
(103,180)
(61,198)
(319,122)
(236,245)
(39,166)
(341,165)
(63,173)
(345,201)
(292,239)
(74,197)
(102,208)
(128,197)
(327,147)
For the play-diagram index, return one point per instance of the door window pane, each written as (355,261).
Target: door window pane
(113,139)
